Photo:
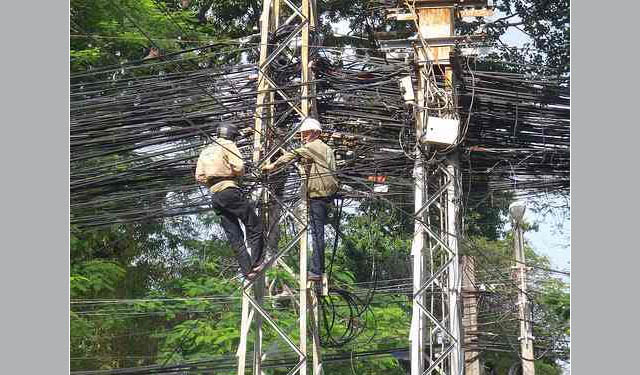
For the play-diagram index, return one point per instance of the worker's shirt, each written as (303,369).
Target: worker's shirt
(220,163)
(320,167)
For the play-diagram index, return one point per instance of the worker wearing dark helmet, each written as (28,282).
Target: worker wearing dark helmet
(320,186)
(219,166)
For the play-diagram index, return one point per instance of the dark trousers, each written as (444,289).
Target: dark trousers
(319,208)
(232,207)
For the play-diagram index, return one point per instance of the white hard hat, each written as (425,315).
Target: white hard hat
(309,124)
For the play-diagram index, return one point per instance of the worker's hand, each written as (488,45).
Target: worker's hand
(267,167)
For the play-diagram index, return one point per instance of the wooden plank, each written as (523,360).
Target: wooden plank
(305,102)
(436,23)
(247,315)
(303,300)
(262,82)
(382,35)
(475,12)
(258,292)
(401,16)
(450,3)
(314,313)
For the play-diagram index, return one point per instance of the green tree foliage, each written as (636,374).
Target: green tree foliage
(484,215)
(113,32)
(543,24)
(547,294)
(122,262)
(376,242)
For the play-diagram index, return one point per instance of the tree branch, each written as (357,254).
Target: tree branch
(504,18)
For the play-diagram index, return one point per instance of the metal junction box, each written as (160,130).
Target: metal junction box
(440,130)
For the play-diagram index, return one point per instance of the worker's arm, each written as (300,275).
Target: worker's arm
(287,158)
(234,157)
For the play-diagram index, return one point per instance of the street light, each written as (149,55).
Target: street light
(516,210)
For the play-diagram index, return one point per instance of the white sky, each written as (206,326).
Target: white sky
(553,240)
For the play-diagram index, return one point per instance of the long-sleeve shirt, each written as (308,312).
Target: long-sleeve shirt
(219,164)
(320,168)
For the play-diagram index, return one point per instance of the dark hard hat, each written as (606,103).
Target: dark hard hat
(227,131)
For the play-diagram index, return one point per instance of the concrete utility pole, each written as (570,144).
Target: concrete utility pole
(516,210)
(470,316)
(418,332)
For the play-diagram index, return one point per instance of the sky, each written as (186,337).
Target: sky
(552,239)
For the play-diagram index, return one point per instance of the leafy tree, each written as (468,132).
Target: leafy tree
(115,32)
(119,263)
(544,24)
(546,294)
(376,241)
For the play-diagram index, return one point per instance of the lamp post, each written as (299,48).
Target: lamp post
(516,211)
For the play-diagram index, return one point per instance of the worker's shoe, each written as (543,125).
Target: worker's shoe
(257,270)
(259,262)
(241,277)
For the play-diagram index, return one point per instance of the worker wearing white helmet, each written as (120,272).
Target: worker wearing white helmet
(321,185)
(310,124)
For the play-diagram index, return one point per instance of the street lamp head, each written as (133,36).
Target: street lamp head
(516,210)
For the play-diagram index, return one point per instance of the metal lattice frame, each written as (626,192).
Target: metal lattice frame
(436,337)
(302,16)
(437,281)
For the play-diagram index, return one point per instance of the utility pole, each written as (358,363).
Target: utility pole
(516,210)
(302,16)
(437,342)
(470,316)
(454,284)
(261,123)
(444,334)
(437,325)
